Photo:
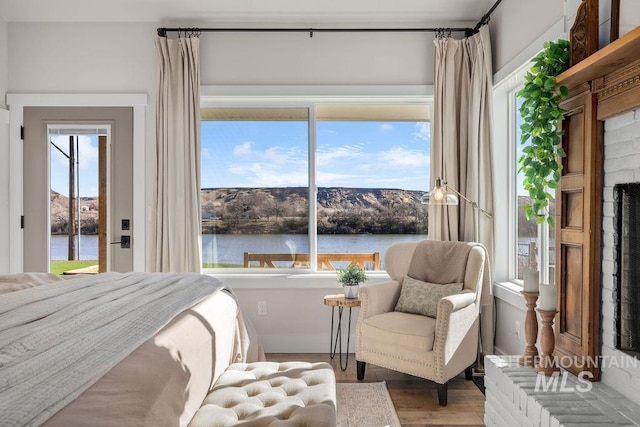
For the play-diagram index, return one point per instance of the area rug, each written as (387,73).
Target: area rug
(365,405)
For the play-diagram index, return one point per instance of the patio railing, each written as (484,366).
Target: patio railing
(302,260)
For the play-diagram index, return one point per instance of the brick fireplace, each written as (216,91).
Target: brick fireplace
(621,166)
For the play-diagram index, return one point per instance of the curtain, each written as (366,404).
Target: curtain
(176,243)
(461,147)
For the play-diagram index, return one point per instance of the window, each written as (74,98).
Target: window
(534,243)
(282,188)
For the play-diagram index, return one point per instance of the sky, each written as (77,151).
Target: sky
(275,154)
(349,154)
(87,165)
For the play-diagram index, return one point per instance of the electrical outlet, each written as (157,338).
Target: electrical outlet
(517,327)
(262,308)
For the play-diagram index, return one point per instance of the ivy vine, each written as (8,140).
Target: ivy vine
(540,135)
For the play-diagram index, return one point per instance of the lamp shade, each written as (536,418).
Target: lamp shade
(440,195)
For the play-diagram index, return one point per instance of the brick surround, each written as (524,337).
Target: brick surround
(621,166)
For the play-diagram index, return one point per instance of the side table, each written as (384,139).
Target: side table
(341,302)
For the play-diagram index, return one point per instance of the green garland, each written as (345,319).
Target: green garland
(541,112)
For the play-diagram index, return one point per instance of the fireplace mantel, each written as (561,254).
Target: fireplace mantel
(613,73)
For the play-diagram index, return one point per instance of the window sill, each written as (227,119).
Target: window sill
(510,293)
(288,280)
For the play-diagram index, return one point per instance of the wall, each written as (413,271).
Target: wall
(326,58)
(515,24)
(621,166)
(4,148)
(4,60)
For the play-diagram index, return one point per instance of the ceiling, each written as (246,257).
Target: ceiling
(440,13)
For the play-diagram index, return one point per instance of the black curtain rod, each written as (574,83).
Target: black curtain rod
(162,32)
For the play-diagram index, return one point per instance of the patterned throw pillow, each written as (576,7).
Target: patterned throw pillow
(422,297)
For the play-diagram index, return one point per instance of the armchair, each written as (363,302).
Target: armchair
(437,348)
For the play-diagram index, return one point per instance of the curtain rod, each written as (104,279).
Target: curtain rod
(162,31)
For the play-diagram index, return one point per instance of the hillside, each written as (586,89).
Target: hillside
(284,210)
(60,214)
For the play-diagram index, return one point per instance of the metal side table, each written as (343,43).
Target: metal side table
(341,302)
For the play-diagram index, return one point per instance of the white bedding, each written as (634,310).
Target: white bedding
(58,339)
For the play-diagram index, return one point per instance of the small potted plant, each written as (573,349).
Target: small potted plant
(351,277)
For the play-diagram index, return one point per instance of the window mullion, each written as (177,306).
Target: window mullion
(313,192)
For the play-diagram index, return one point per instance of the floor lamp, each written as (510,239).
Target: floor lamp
(444,195)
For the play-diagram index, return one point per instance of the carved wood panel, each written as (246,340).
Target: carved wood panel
(584,32)
(578,234)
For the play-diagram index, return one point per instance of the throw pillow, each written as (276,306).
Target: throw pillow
(419,297)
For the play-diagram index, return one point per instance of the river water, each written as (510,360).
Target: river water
(229,248)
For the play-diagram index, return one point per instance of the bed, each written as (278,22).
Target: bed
(67,358)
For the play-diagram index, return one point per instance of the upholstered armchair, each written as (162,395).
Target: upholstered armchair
(437,348)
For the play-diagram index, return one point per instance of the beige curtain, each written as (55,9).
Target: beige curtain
(177,203)
(462,144)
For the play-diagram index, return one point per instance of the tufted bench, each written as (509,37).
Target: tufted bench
(271,394)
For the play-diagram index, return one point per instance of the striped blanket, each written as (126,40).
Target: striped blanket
(58,339)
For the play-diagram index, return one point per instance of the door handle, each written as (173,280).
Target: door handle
(124,242)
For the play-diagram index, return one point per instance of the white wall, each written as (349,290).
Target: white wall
(4,148)
(4,60)
(517,23)
(326,58)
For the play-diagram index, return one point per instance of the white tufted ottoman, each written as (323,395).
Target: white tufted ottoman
(271,394)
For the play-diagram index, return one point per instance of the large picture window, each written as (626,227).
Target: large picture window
(314,188)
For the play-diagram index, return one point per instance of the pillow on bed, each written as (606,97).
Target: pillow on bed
(16,282)
(419,297)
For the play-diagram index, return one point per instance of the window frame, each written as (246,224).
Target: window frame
(307,97)
(542,234)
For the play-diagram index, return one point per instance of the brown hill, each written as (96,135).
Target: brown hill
(60,214)
(284,210)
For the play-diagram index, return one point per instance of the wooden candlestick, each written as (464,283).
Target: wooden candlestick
(530,354)
(547,364)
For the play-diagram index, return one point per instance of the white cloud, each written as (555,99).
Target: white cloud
(268,175)
(281,156)
(244,149)
(328,157)
(87,153)
(386,127)
(403,157)
(205,154)
(423,131)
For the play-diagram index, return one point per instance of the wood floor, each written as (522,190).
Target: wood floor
(415,399)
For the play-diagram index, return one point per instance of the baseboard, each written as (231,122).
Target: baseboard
(300,343)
